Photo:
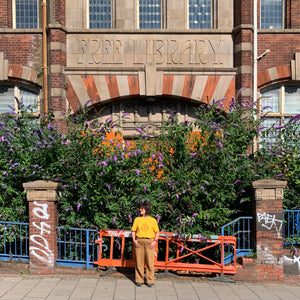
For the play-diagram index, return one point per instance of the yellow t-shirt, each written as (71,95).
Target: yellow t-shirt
(145,227)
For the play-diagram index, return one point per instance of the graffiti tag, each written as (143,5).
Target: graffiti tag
(269,222)
(40,248)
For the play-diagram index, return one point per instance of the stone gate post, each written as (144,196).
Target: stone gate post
(268,228)
(43,220)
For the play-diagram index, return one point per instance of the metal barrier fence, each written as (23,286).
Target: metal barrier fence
(291,227)
(14,241)
(77,247)
(241,229)
(173,253)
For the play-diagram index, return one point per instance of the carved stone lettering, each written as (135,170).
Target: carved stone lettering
(170,50)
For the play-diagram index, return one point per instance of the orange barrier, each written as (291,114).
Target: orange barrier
(173,253)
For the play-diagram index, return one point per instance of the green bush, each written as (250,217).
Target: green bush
(197,175)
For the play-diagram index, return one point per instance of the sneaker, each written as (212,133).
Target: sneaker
(150,284)
(138,284)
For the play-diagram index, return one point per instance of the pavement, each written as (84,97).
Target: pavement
(74,287)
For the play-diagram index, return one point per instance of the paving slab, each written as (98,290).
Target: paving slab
(26,287)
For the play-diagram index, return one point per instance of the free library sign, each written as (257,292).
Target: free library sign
(160,50)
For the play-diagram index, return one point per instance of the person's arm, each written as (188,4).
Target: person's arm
(153,244)
(133,235)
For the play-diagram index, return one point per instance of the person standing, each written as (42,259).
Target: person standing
(145,233)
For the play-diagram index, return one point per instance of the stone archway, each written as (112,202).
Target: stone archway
(105,88)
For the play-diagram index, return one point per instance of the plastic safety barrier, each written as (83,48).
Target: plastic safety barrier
(194,253)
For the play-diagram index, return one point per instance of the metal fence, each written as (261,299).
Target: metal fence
(78,247)
(291,227)
(241,229)
(14,241)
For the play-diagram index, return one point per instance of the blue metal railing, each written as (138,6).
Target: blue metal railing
(77,247)
(241,229)
(291,227)
(14,241)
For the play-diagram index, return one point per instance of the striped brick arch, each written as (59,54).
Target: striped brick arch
(103,88)
(22,73)
(274,75)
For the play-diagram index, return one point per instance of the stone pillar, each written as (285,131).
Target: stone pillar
(43,220)
(268,228)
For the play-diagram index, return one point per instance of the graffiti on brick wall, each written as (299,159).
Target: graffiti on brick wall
(270,222)
(40,245)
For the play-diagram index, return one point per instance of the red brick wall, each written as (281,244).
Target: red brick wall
(295,14)
(242,12)
(59,11)
(282,48)
(22,49)
(5,14)
(42,232)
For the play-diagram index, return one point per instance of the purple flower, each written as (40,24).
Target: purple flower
(130,218)
(138,172)
(145,189)
(78,206)
(139,130)
(194,215)
(158,217)
(108,186)
(87,102)
(237,181)
(114,219)
(177,196)
(268,106)
(201,187)
(103,163)
(279,175)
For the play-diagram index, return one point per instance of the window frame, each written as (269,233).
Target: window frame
(212,16)
(112,15)
(17,94)
(163,16)
(281,115)
(14,16)
(283,2)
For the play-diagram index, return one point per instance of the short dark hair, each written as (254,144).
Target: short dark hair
(147,208)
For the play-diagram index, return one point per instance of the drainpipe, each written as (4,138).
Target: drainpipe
(254,88)
(254,51)
(45,62)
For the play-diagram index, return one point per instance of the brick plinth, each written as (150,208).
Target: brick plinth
(268,228)
(43,220)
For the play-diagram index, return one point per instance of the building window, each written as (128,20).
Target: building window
(150,14)
(29,99)
(200,14)
(278,105)
(271,14)
(100,14)
(26,14)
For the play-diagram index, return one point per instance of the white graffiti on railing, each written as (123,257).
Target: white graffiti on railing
(270,222)
(41,249)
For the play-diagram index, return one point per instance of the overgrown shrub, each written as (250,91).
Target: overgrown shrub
(197,175)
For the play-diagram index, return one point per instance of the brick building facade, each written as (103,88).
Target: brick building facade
(148,58)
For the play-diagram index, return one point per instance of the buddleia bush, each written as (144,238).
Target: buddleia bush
(196,175)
